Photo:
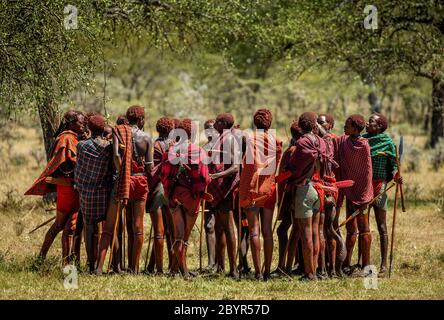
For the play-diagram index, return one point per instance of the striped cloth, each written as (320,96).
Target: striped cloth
(64,150)
(124,136)
(93,178)
(353,157)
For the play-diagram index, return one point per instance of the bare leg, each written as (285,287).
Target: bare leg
(306,234)
(253,227)
(159,233)
(266,227)
(210,233)
(381,215)
(108,230)
(56,227)
(138,213)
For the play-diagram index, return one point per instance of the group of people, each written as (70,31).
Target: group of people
(106,178)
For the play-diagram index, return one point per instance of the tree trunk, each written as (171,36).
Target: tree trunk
(49,120)
(437,131)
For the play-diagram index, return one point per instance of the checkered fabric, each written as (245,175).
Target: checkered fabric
(124,135)
(383,165)
(93,178)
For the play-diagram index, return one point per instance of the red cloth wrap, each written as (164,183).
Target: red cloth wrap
(353,157)
(253,184)
(67,199)
(65,149)
(198,175)
(138,184)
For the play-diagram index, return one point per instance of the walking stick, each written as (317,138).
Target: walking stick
(201,229)
(398,162)
(123,237)
(369,204)
(41,225)
(148,248)
(394,219)
(116,223)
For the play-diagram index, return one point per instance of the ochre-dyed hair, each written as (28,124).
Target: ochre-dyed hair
(295,131)
(164,125)
(208,122)
(307,121)
(357,121)
(122,120)
(382,121)
(185,124)
(90,114)
(135,113)
(176,122)
(262,119)
(226,118)
(329,118)
(96,123)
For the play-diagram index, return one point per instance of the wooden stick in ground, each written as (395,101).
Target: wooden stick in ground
(394,219)
(393,229)
(123,237)
(116,223)
(239,236)
(148,248)
(201,231)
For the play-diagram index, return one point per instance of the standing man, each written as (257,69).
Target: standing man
(93,180)
(352,153)
(185,177)
(59,175)
(133,162)
(257,189)
(307,163)
(225,179)
(157,204)
(141,165)
(210,216)
(384,169)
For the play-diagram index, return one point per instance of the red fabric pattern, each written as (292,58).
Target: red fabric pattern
(65,149)
(353,157)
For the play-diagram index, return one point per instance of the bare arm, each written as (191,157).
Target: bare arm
(116,155)
(148,156)
(234,168)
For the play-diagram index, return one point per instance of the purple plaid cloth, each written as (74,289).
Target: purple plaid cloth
(93,179)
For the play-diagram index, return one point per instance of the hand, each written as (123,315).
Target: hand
(214,176)
(398,179)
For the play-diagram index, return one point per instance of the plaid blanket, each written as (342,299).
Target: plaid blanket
(193,174)
(383,165)
(265,150)
(93,178)
(353,157)
(124,135)
(220,188)
(64,150)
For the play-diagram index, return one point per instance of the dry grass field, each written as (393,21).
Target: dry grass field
(418,266)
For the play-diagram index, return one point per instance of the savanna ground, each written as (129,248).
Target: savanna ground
(418,265)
